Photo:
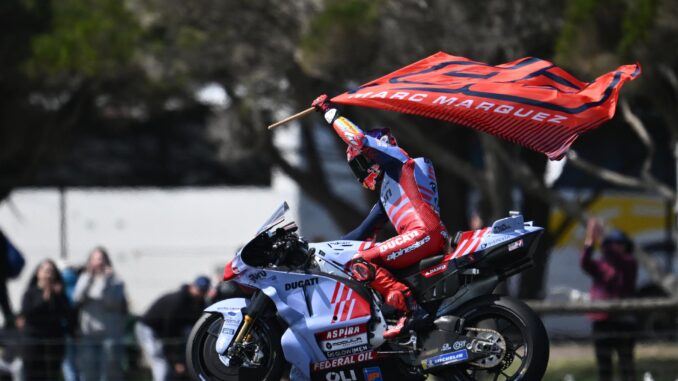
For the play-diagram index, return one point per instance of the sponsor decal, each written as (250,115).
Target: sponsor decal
(342,332)
(340,243)
(445,359)
(373,374)
(515,245)
(257,276)
(406,250)
(301,283)
(500,228)
(347,342)
(231,313)
(344,361)
(341,375)
(343,343)
(346,352)
(435,270)
(459,344)
(492,241)
(445,347)
(392,243)
(227,331)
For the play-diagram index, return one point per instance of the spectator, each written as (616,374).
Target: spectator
(162,331)
(614,277)
(8,269)
(45,320)
(70,275)
(100,296)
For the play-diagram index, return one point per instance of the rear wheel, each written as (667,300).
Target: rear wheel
(204,363)
(514,328)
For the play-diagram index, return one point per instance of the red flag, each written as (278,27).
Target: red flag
(529,101)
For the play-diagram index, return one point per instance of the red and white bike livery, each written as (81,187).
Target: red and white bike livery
(288,301)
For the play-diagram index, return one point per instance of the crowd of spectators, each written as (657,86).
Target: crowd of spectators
(73,320)
(74,324)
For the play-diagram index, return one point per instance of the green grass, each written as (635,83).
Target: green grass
(661,360)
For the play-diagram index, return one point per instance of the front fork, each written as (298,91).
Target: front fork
(259,305)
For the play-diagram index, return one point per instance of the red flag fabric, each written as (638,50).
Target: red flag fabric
(529,101)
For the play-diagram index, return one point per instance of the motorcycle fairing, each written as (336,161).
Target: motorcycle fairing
(332,256)
(501,232)
(312,303)
(231,310)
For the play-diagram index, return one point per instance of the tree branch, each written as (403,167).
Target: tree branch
(524,176)
(619,179)
(639,128)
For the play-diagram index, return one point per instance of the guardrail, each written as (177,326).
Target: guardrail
(616,305)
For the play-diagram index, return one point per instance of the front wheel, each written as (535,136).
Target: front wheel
(516,329)
(204,363)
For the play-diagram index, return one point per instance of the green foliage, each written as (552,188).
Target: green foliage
(614,26)
(341,40)
(347,14)
(578,12)
(638,20)
(86,37)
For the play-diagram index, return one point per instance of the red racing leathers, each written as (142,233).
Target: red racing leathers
(408,198)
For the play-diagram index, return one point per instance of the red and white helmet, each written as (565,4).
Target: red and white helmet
(364,169)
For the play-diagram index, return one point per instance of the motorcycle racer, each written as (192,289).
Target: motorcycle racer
(408,198)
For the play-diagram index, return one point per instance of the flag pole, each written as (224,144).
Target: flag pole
(291,118)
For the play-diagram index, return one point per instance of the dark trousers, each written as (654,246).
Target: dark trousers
(610,337)
(42,358)
(4,304)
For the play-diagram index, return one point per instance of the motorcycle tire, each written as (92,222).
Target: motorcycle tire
(524,324)
(204,363)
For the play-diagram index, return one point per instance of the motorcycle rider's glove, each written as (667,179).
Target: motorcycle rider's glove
(361,270)
(322,103)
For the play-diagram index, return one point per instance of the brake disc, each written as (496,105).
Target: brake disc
(487,341)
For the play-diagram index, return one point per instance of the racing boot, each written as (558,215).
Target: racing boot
(408,307)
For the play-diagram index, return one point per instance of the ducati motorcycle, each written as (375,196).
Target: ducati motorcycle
(293,302)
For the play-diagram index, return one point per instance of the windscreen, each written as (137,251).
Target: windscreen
(277,217)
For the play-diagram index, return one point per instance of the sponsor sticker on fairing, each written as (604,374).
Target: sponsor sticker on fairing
(342,332)
(373,374)
(343,341)
(344,361)
(445,359)
(341,375)
(435,270)
(346,352)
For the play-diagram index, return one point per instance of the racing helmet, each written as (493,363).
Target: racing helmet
(366,170)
